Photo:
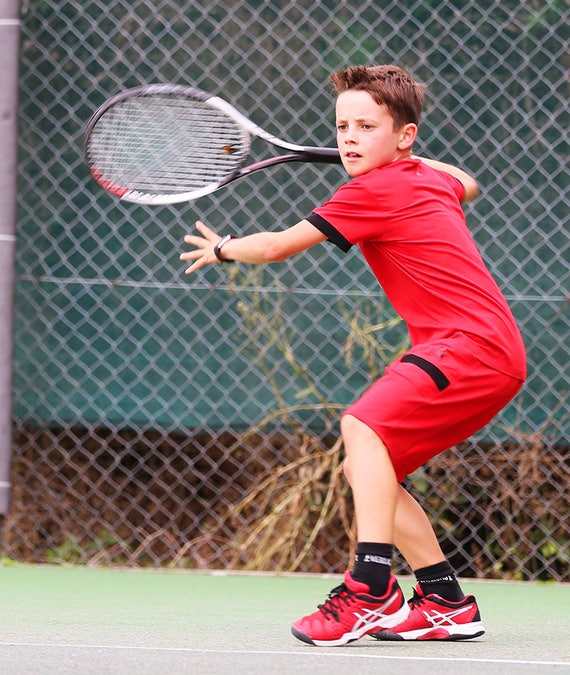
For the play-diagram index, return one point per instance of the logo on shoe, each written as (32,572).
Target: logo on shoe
(445,618)
(372,616)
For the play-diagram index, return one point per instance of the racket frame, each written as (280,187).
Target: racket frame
(296,153)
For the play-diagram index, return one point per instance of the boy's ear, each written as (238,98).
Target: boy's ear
(408,135)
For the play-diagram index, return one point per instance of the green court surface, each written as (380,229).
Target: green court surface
(83,620)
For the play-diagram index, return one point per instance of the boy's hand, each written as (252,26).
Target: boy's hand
(204,252)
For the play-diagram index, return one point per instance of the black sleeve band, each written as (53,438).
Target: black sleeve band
(329,231)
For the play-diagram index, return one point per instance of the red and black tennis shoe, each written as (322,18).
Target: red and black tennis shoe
(433,618)
(350,612)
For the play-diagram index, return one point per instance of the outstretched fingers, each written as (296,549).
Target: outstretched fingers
(203,253)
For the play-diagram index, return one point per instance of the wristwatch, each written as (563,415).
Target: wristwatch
(218,248)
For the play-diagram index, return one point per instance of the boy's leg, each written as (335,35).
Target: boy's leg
(412,531)
(414,535)
(439,610)
(375,493)
(416,540)
(370,598)
(373,481)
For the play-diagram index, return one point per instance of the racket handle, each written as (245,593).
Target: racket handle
(321,155)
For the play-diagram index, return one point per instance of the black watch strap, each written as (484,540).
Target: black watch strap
(218,248)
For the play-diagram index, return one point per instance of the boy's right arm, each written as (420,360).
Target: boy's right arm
(469,183)
(262,247)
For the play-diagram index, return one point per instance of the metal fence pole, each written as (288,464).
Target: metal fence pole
(9,53)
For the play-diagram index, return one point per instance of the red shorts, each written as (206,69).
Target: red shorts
(433,397)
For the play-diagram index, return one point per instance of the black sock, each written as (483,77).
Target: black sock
(372,566)
(440,579)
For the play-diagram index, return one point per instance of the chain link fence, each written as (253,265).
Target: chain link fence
(193,422)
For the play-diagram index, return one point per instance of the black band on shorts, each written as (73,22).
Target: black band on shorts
(433,371)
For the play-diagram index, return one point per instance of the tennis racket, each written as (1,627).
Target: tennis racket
(168,143)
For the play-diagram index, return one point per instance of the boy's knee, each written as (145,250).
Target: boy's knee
(357,435)
(349,425)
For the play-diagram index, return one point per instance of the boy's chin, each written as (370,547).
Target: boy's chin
(353,172)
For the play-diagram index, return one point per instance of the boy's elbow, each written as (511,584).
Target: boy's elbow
(471,188)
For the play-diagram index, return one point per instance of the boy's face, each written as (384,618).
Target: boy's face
(365,133)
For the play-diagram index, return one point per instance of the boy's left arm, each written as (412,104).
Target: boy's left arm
(469,183)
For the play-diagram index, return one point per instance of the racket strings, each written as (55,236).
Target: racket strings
(166,145)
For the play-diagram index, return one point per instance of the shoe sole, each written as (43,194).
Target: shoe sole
(387,622)
(466,631)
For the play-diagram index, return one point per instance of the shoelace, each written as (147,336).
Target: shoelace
(416,600)
(339,595)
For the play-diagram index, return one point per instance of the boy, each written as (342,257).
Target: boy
(466,361)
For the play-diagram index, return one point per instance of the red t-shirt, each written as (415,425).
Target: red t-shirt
(408,222)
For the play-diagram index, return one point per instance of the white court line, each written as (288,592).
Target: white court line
(351,655)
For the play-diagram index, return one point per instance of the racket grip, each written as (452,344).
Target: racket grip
(321,155)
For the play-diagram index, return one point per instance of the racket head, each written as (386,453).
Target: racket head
(164,144)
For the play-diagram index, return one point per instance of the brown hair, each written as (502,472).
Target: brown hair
(388,85)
